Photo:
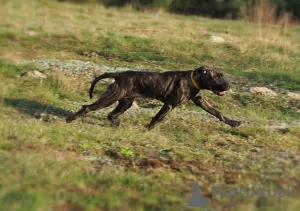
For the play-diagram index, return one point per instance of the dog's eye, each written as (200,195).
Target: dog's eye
(204,72)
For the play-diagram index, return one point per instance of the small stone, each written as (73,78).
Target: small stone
(282,127)
(34,74)
(263,90)
(31,33)
(294,96)
(254,149)
(216,39)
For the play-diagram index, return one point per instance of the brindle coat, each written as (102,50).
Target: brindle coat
(172,88)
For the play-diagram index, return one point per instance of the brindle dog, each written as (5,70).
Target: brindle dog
(172,88)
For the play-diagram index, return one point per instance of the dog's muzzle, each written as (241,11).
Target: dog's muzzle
(220,93)
(221,89)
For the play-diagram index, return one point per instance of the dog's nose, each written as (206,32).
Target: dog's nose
(226,85)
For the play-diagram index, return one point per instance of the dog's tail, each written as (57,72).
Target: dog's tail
(105,75)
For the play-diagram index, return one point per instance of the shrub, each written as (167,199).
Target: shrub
(138,4)
(211,8)
(115,3)
(291,6)
(81,1)
(9,69)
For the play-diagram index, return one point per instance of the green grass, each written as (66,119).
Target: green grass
(9,70)
(44,156)
(288,80)
(89,165)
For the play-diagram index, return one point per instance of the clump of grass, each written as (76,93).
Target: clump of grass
(67,86)
(7,35)
(9,70)
(284,79)
(127,153)
(295,131)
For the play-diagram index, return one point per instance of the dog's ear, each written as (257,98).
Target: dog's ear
(203,71)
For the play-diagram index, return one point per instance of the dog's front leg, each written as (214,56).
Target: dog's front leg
(160,115)
(199,101)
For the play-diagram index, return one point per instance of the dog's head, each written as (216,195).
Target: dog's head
(211,78)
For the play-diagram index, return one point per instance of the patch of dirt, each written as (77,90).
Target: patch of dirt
(152,164)
(149,163)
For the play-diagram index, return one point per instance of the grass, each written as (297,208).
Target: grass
(89,165)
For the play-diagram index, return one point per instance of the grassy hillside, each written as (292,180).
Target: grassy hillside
(89,165)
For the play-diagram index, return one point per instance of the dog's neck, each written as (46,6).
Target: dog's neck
(193,80)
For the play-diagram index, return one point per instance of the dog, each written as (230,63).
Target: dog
(172,88)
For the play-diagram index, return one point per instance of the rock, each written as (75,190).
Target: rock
(263,90)
(31,33)
(34,74)
(90,54)
(216,39)
(253,149)
(294,96)
(282,127)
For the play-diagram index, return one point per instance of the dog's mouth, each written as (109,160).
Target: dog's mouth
(220,93)
(220,89)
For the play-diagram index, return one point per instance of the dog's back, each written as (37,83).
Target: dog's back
(150,84)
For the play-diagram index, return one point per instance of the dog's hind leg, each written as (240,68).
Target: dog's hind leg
(160,115)
(124,104)
(106,99)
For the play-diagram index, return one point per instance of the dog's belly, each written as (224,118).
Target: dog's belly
(154,90)
(169,95)
(151,95)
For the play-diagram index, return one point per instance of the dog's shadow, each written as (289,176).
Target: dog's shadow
(34,108)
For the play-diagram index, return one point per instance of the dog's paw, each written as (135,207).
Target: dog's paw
(115,122)
(69,119)
(234,123)
(149,126)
